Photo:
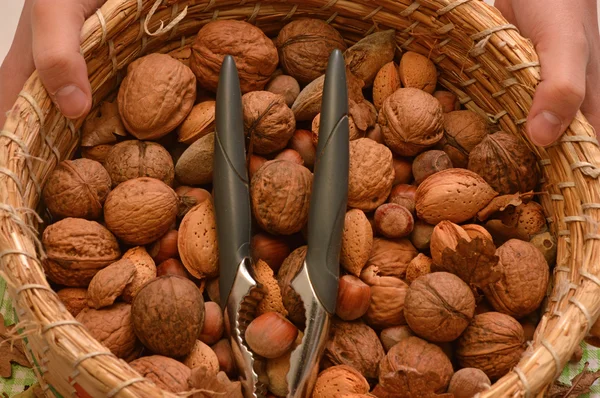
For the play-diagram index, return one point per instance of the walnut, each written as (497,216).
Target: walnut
(417,355)
(392,256)
(418,71)
(145,271)
(76,249)
(371,174)
(493,342)
(280,193)
(356,345)
(162,303)
(454,194)
(155,96)
(197,241)
(268,121)
(109,282)
(506,163)
(387,299)
(254,53)
(74,299)
(525,277)
(77,188)
(132,159)
(195,166)
(291,300)
(411,121)
(112,327)
(168,374)
(340,379)
(141,210)
(463,131)
(439,306)
(367,56)
(304,46)
(357,241)
(198,123)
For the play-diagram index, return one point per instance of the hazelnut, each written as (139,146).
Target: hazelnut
(340,379)
(446,235)
(291,156)
(225,356)
(255,163)
(419,266)
(421,235)
(402,170)
(393,220)
(302,143)
(468,382)
(271,249)
(417,71)
(285,86)
(165,247)
(439,306)
(353,299)
(493,342)
(463,131)
(448,100)
(392,336)
(270,335)
(404,195)
(171,266)
(212,331)
(428,163)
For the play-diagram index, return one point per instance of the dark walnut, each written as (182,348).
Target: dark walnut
(506,163)
(463,131)
(132,159)
(254,53)
(268,121)
(168,374)
(493,342)
(411,121)
(415,354)
(524,281)
(77,188)
(439,306)
(371,174)
(155,96)
(304,46)
(280,192)
(168,315)
(76,250)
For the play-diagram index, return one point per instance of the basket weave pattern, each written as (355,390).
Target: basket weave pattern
(483,60)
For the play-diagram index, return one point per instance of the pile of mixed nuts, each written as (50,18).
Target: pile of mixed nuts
(445,257)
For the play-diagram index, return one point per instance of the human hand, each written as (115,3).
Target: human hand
(48,39)
(566,38)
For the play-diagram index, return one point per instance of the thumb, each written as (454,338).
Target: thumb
(564,54)
(56,27)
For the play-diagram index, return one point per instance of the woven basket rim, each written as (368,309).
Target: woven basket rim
(485,62)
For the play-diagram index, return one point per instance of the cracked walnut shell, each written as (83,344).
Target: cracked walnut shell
(155,96)
(168,374)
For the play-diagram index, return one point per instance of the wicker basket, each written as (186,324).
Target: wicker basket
(483,59)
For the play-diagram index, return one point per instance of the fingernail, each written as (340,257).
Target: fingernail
(71,101)
(545,128)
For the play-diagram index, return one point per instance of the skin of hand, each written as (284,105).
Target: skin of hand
(48,39)
(565,35)
(566,39)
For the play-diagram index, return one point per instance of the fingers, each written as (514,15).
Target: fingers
(56,27)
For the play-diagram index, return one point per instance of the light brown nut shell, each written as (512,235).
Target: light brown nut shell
(145,271)
(272,300)
(418,266)
(357,241)
(202,355)
(76,249)
(454,194)
(387,299)
(371,174)
(168,374)
(254,53)
(291,300)
(133,158)
(141,210)
(391,256)
(463,131)
(74,299)
(411,121)
(112,327)
(280,193)
(304,46)
(386,82)
(109,282)
(418,71)
(338,380)
(197,241)
(369,54)
(156,95)
(198,123)
(77,188)
(286,86)
(195,166)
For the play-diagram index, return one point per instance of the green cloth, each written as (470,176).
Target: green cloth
(22,376)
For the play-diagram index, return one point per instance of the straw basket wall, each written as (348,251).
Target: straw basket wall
(484,60)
